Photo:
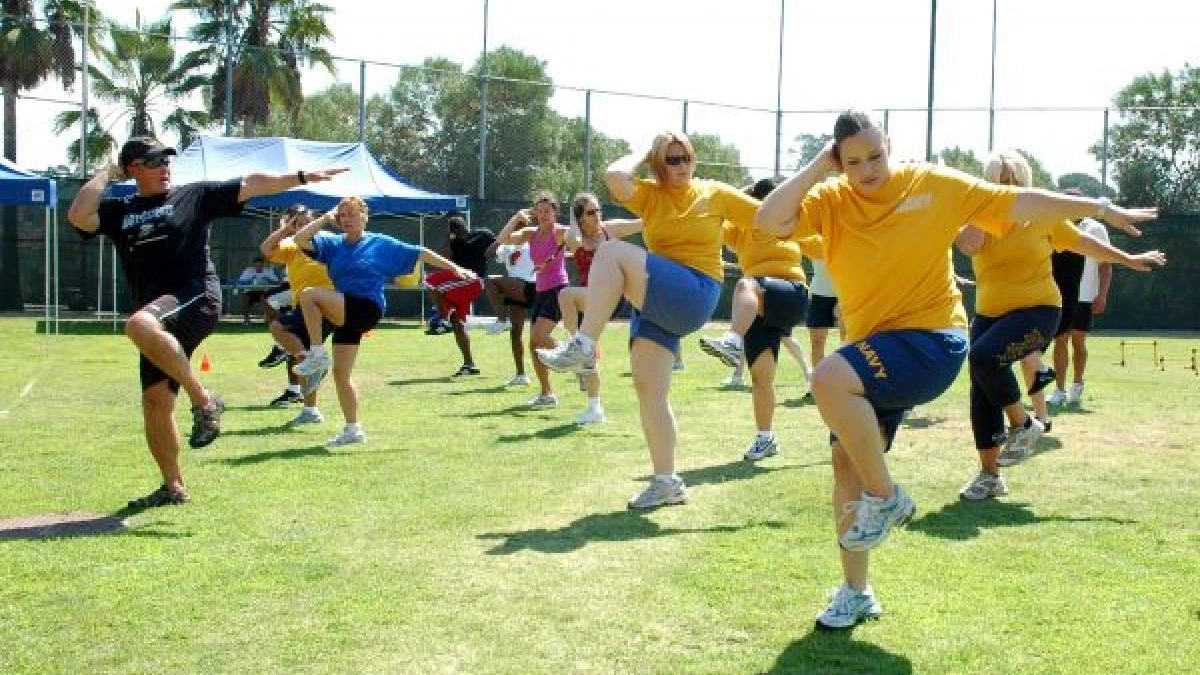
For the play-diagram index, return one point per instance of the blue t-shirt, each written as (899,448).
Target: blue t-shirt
(363,268)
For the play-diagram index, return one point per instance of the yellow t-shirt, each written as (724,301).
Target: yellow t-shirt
(1013,272)
(685,224)
(303,271)
(761,254)
(889,253)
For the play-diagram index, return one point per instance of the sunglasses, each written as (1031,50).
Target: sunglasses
(676,160)
(155,162)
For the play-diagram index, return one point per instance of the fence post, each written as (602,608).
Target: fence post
(886,115)
(932,55)
(779,95)
(685,116)
(362,101)
(587,140)
(83,111)
(229,71)
(1104,154)
(483,101)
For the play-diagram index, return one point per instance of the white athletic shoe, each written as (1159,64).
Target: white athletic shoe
(1059,397)
(519,381)
(313,364)
(874,517)
(661,492)
(985,485)
(848,608)
(306,417)
(543,401)
(347,437)
(498,327)
(1019,446)
(592,416)
(569,356)
(761,448)
(734,382)
(1075,394)
(729,353)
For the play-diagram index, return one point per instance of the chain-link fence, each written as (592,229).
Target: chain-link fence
(447,129)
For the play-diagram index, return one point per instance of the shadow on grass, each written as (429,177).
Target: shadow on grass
(261,431)
(616,526)
(272,455)
(514,410)
(549,433)
(258,407)
(1070,410)
(421,380)
(965,519)
(70,525)
(499,388)
(837,652)
(923,421)
(738,469)
(801,402)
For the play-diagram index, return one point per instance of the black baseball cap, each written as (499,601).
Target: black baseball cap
(142,147)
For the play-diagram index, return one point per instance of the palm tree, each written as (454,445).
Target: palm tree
(33,48)
(142,78)
(273,39)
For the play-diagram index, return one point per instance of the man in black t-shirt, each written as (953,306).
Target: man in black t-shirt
(466,249)
(161,237)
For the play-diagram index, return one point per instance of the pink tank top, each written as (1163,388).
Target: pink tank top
(548,260)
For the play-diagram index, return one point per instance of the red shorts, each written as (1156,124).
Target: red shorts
(456,293)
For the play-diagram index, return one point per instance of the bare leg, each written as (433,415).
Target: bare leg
(762,379)
(516,337)
(165,352)
(652,364)
(1061,357)
(747,304)
(1079,355)
(619,269)
(572,301)
(461,338)
(846,489)
(295,349)
(320,303)
(797,353)
(162,434)
(840,398)
(539,338)
(817,338)
(343,364)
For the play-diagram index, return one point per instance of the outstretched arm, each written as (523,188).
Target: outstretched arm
(433,258)
(1037,204)
(1107,253)
(259,184)
(621,228)
(777,215)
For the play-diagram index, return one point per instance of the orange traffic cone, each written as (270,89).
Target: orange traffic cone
(205,364)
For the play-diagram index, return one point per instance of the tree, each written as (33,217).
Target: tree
(1041,177)
(1085,183)
(33,49)
(809,146)
(272,40)
(963,160)
(1154,146)
(719,161)
(139,74)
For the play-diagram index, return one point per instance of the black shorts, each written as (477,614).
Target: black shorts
(1081,318)
(362,314)
(545,306)
(785,304)
(821,312)
(1067,318)
(529,296)
(293,322)
(188,314)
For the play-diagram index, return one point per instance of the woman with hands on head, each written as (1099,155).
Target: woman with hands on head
(360,263)
(887,230)
(673,285)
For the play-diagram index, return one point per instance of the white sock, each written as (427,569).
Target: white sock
(316,351)
(666,478)
(294,388)
(588,344)
(734,339)
(312,410)
(594,403)
(354,427)
(766,435)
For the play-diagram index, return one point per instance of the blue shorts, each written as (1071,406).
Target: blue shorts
(679,300)
(900,369)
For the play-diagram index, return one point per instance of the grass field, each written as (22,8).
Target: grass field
(470,535)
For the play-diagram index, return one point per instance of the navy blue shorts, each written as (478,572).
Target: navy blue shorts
(293,322)
(679,300)
(362,314)
(545,306)
(900,369)
(785,303)
(821,312)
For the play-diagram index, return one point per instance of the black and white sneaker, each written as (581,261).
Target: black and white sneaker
(287,398)
(276,357)
(467,369)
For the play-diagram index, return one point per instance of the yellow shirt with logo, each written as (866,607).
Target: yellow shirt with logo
(760,254)
(303,271)
(1013,272)
(685,224)
(889,253)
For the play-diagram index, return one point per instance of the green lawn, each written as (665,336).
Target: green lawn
(470,535)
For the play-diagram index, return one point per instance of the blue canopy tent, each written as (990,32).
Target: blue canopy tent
(19,187)
(384,190)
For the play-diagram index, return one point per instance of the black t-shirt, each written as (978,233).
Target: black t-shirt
(163,240)
(471,252)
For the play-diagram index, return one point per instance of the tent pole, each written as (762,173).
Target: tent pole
(100,279)
(57,285)
(113,273)
(420,285)
(46,278)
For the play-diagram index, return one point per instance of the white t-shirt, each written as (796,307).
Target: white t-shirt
(821,283)
(517,261)
(252,277)
(1089,283)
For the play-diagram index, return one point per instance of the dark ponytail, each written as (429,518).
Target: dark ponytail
(849,123)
